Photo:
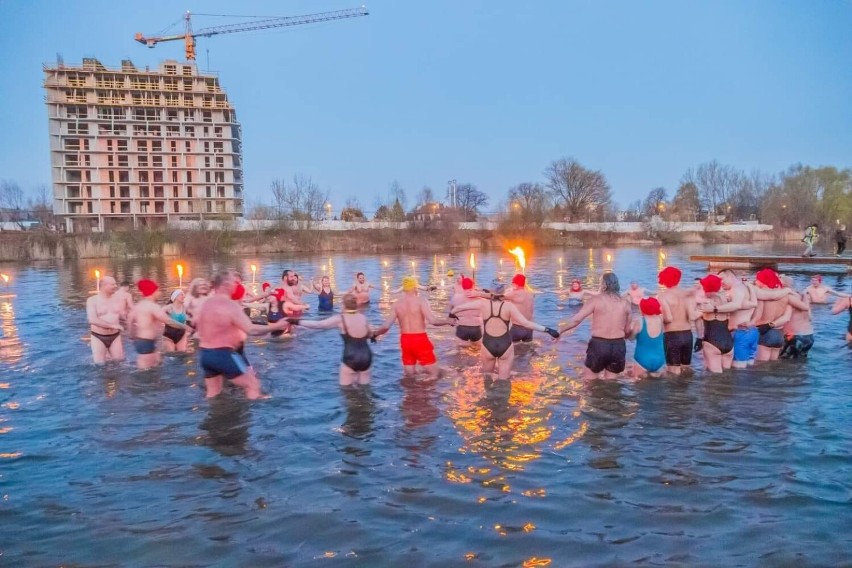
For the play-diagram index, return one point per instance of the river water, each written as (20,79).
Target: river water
(115,467)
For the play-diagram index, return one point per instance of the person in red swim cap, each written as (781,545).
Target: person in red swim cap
(469,323)
(716,340)
(770,316)
(647,330)
(524,300)
(148,318)
(679,314)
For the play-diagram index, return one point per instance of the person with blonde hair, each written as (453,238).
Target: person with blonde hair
(413,313)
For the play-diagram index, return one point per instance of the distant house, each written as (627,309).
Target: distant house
(432,214)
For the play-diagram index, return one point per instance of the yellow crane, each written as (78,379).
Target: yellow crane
(189,36)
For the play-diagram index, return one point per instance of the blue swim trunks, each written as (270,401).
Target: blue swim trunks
(745,344)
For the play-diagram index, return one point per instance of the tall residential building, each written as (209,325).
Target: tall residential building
(132,148)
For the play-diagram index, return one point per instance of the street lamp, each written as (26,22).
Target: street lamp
(327,210)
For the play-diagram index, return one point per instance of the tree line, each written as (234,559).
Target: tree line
(571,192)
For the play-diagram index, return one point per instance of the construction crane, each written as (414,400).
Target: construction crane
(189,36)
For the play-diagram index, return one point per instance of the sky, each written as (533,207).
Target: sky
(487,92)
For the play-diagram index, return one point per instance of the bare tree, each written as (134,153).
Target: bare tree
(686,203)
(468,200)
(717,185)
(655,202)
(12,202)
(352,211)
(425,196)
(581,191)
(305,201)
(279,191)
(528,203)
(42,206)
(396,193)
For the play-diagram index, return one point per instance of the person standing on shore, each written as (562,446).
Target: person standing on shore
(811,235)
(840,239)
(413,313)
(679,311)
(611,324)
(103,311)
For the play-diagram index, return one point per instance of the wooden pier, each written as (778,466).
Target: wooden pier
(769,261)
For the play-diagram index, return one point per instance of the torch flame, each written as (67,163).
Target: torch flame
(5,278)
(97,274)
(254,268)
(520,257)
(472,261)
(180,270)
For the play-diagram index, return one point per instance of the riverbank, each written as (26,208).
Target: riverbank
(38,245)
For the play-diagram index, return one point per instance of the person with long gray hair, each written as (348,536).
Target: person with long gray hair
(611,324)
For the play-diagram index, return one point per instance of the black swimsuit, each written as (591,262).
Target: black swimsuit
(716,333)
(357,354)
(108,339)
(849,327)
(496,345)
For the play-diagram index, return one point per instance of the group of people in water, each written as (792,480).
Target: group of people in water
(737,322)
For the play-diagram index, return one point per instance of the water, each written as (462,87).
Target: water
(111,466)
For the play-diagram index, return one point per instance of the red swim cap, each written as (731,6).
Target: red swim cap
(669,277)
(711,284)
(519,280)
(239,292)
(265,286)
(466,283)
(650,307)
(279,293)
(769,278)
(147,287)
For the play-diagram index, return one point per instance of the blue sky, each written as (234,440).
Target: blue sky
(487,92)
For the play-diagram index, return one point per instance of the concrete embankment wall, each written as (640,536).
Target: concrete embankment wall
(367,237)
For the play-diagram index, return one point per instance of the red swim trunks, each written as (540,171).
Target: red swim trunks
(416,348)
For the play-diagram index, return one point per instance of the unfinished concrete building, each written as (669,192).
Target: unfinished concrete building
(132,148)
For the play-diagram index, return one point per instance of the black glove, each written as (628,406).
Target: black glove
(293,321)
(699,343)
(453,316)
(553,332)
(486,290)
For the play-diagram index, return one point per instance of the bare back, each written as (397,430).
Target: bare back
(411,312)
(523,300)
(681,304)
(610,316)
(221,323)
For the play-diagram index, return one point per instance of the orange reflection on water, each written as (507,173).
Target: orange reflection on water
(11,348)
(510,423)
(9,455)
(533,561)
